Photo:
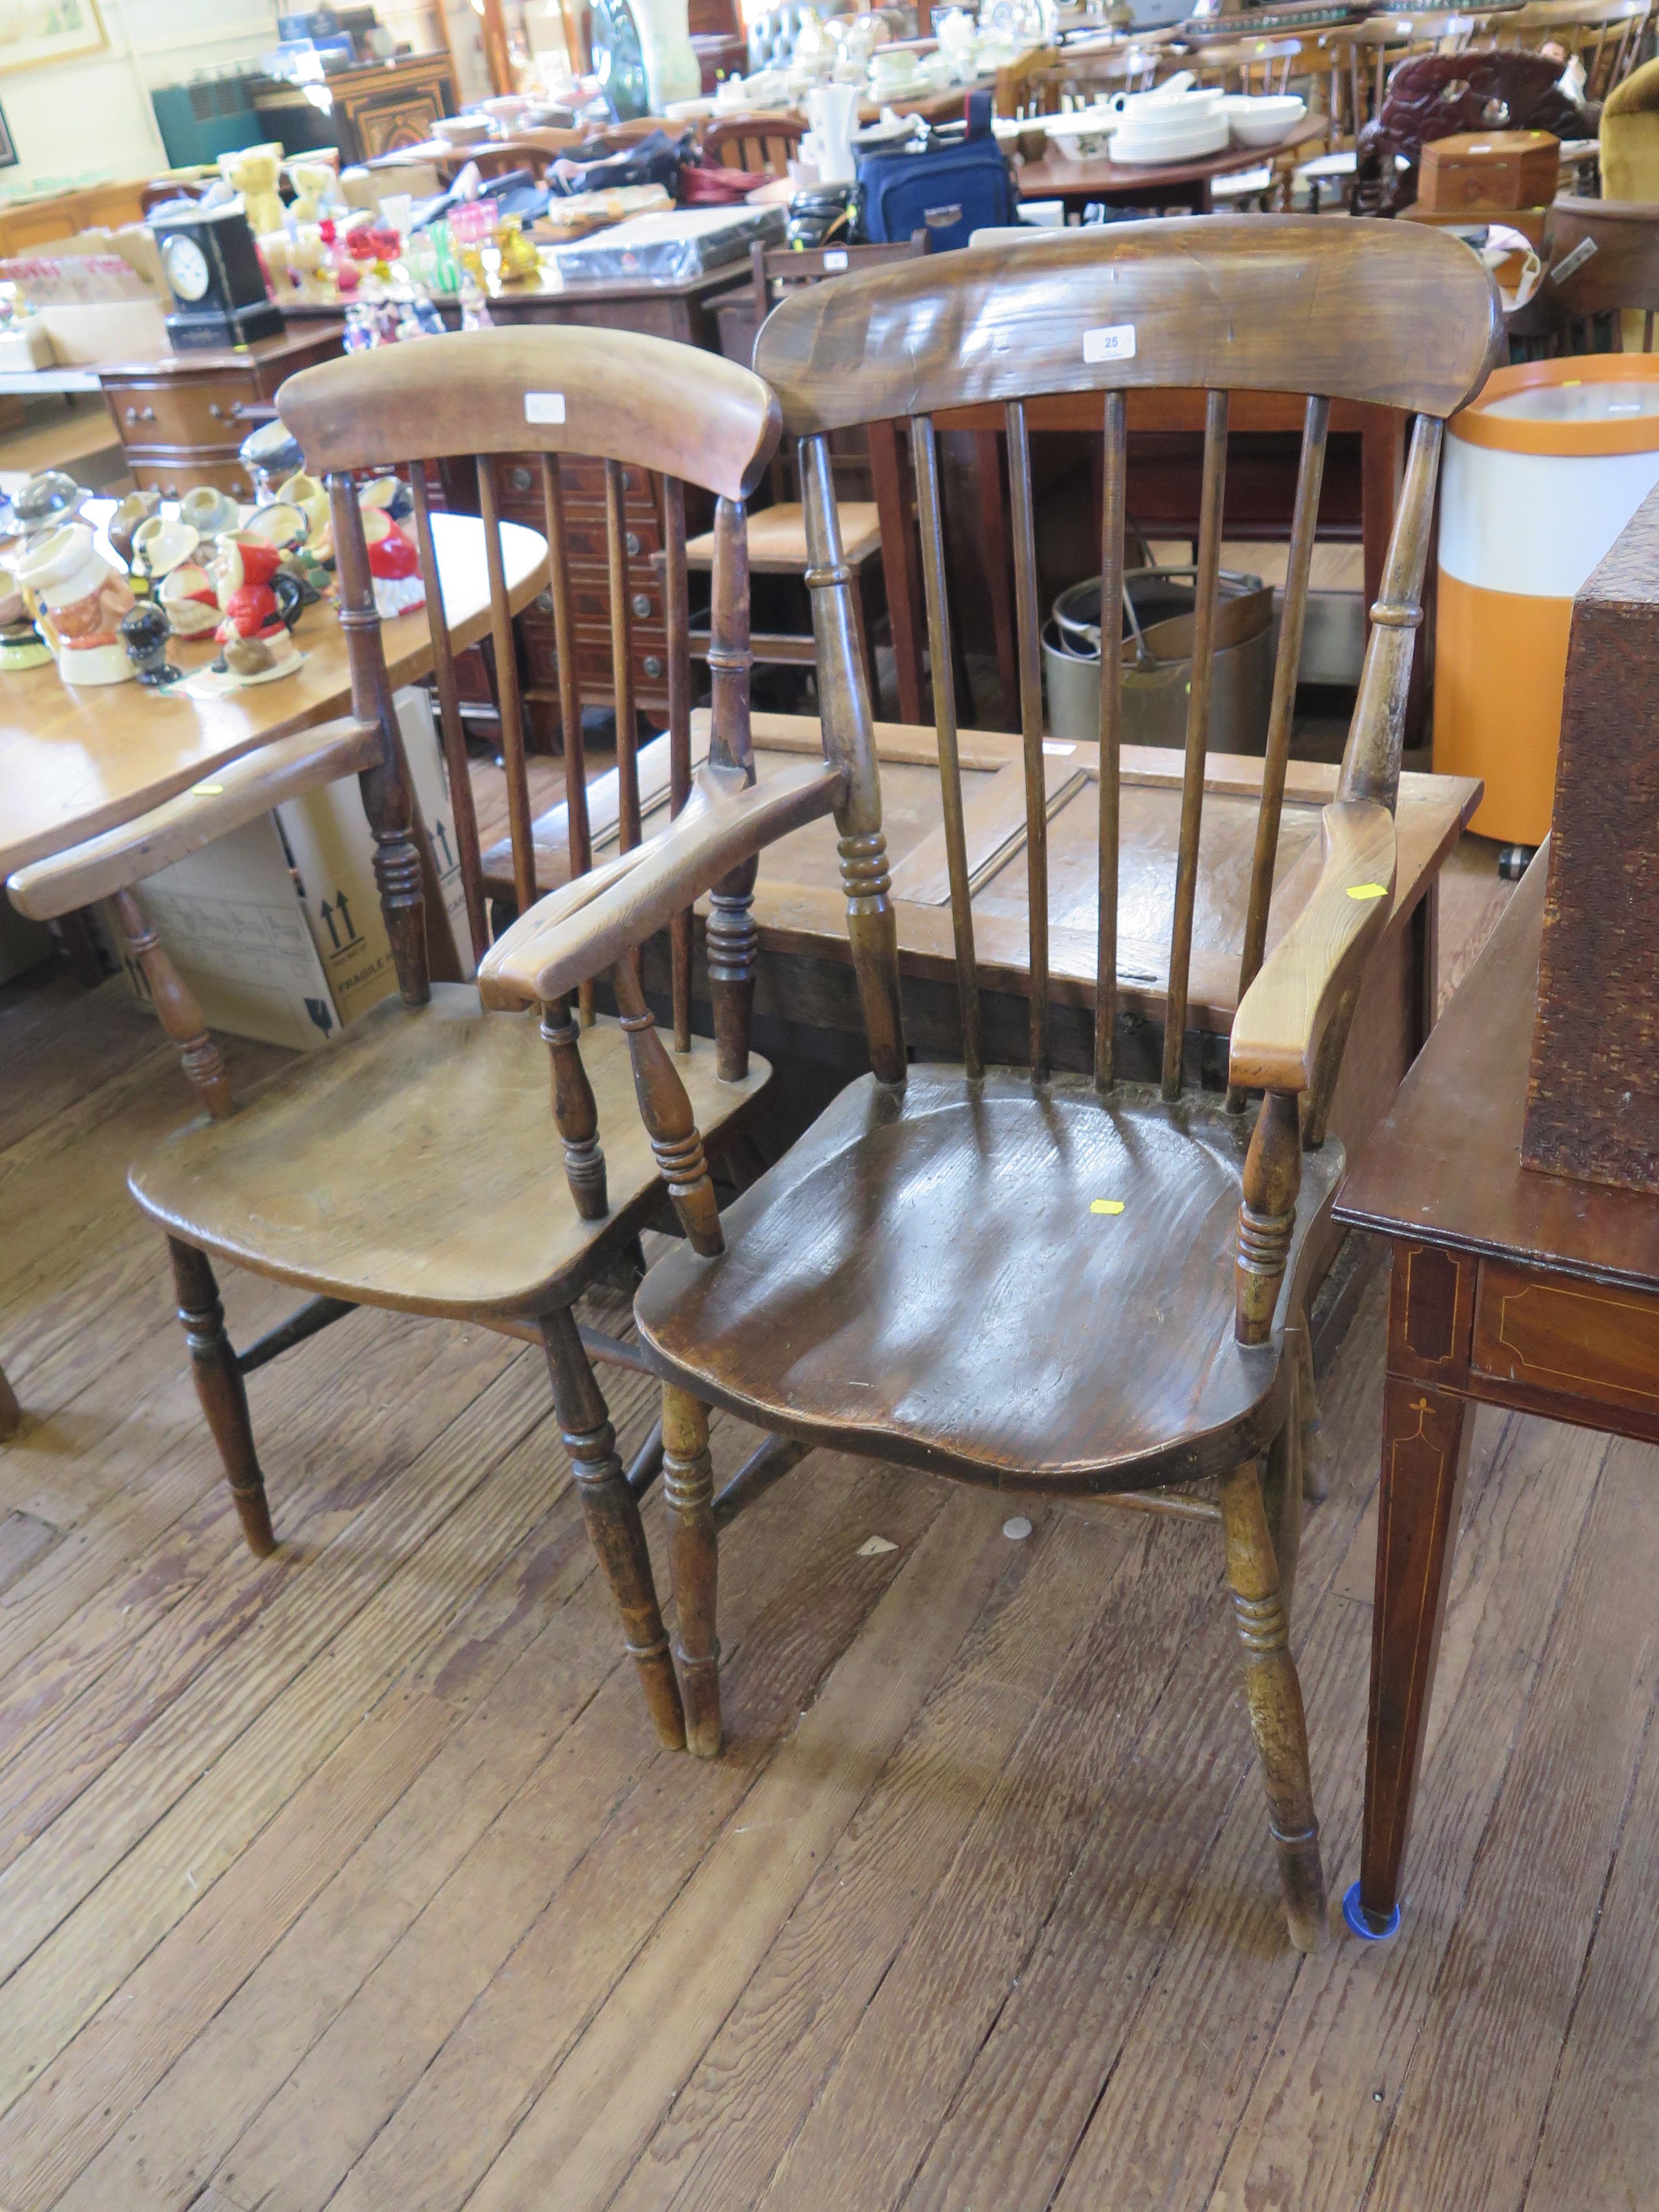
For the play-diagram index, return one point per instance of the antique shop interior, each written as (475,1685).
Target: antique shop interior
(800,1413)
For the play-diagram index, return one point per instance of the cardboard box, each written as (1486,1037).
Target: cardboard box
(99,296)
(1489,169)
(276,928)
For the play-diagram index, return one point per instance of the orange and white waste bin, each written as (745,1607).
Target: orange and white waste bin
(1541,475)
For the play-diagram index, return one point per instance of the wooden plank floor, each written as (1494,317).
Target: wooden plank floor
(355,1879)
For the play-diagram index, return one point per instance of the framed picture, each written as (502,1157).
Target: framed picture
(33,33)
(8,151)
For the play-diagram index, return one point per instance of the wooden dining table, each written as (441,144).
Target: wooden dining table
(75,760)
(1154,184)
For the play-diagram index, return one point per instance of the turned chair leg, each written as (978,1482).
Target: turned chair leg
(1274,1696)
(688,1486)
(219,1386)
(612,1514)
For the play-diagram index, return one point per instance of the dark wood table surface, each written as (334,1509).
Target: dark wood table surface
(1508,1288)
(1154,184)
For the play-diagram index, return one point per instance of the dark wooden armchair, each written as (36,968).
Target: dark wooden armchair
(414,1163)
(1032,1281)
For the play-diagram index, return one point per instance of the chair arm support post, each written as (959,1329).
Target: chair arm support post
(665,1110)
(1267,1217)
(575,1112)
(176,1008)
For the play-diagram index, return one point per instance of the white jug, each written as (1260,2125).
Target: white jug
(832,111)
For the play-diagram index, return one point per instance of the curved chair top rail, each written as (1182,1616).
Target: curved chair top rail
(612,395)
(1397,313)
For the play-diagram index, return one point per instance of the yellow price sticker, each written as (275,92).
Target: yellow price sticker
(206,790)
(1368,890)
(1106,1205)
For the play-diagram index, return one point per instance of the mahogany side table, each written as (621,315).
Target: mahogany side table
(1509,1287)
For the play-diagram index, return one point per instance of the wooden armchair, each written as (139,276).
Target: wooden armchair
(413,1164)
(762,144)
(1033,1281)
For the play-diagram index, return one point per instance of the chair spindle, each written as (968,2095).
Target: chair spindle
(177,1007)
(665,1110)
(1029,625)
(621,658)
(677,621)
(732,940)
(1370,762)
(924,447)
(506,695)
(849,741)
(1114,481)
(1198,725)
(1304,523)
(564,648)
(451,731)
(385,787)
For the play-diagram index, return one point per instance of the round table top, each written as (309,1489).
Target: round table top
(76,761)
(1055,176)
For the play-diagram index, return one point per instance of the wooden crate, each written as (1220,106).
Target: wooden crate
(1593,1100)
(1489,169)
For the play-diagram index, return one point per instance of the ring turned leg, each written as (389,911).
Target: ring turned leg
(612,1514)
(1425,1437)
(220,1387)
(689,1495)
(1274,1695)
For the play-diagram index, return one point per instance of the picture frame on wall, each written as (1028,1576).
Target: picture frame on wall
(34,33)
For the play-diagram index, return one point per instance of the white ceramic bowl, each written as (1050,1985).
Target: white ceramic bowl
(1262,121)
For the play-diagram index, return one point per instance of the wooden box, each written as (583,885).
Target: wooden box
(1593,1100)
(1489,169)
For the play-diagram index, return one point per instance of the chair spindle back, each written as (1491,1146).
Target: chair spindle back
(625,400)
(1370,311)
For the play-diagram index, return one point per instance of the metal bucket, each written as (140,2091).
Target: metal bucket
(1158,663)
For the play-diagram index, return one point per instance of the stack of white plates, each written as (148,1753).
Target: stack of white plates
(1170,126)
(1262,120)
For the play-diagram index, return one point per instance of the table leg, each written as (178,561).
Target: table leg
(1425,1459)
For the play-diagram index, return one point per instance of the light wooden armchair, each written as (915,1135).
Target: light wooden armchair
(413,1164)
(1018,1278)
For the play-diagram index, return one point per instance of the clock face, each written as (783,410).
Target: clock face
(186,268)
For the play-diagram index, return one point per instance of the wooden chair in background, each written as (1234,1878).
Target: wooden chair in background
(1605,35)
(1036,1282)
(1048,81)
(759,143)
(1618,280)
(777,533)
(410,1165)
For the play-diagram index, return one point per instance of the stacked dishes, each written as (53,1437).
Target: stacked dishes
(1171,124)
(1263,120)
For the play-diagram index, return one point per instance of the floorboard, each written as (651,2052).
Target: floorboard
(356,1879)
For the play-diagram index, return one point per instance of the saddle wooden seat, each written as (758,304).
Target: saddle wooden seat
(449,1103)
(959,1278)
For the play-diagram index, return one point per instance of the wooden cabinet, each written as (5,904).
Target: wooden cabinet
(379,109)
(182,418)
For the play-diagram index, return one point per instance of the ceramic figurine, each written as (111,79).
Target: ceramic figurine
(255,641)
(252,171)
(144,633)
(309,495)
(270,454)
(280,524)
(137,506)
(21,647)
(160,546)
(520,263)
(78,600)
(316,190)
(394,566)
(242,559)
(46,501)
(208,510)
(190,599)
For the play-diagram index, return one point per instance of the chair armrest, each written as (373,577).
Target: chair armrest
(587,925)
(239,793)
(1283,1015)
